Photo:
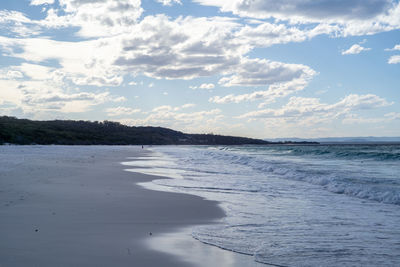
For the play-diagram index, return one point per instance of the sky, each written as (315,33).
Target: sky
(256,68)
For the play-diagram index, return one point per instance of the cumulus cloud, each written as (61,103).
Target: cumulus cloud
(274,91)
(41,2)
(162,108)
(34,71)
(395,48)
(35,88)
(355,49)
(354,17)
(161,47)
(300,108)
(304,9)
(175,117)
(116,41)
(10,73)
(38,96)
(261,72)
(180,54)
(265,34)
(394,59)
(80,62)
(97,17)
(94,18)
(184,48)
(66,103)
(207,86)
(17,24)
(169,2)
(11,16)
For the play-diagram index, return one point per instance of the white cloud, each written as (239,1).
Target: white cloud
(169,2)
(66,103)
(394,59)
(184,48)
(168,108)
(12,95)
(118,111)
(198,122)
(275,91)
(189,105)
(96,17)
(159,47)
(84,63)
(162,108)
(303,10)
(117,42)
(395,48)
(262,72)
(36,72)
(355,49)
(185,106)
(10,74)
(132,83)
(43,90)
(368,101)
(350,17)
(93,18)
(207,86)
(308,110)
(18,24)
(173,117)
(41,2)
(266,34)
(7,16)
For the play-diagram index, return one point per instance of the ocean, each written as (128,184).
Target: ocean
(292,205)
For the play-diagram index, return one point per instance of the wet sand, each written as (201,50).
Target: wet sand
(76,206)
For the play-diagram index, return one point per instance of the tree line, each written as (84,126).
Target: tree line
(70,132)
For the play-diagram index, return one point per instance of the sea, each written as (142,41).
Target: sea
(291,205)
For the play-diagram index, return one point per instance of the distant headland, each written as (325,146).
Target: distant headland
(70,132)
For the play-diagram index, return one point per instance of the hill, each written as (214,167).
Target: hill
(69,132)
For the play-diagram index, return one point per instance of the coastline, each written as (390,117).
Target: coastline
(76,206)
(65,209)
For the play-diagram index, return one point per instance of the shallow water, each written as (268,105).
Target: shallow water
(293,205)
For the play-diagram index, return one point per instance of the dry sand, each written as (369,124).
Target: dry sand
(76,206)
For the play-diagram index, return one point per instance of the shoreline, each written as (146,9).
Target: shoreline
(64,209)
(180,242)
(77,206)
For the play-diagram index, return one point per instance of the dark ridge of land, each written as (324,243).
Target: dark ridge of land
(366,140)
(69,132)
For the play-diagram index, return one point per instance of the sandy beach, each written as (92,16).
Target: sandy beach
(76,206)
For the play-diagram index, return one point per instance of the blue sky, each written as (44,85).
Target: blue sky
(257,68)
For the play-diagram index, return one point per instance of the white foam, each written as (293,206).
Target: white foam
(282,209)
